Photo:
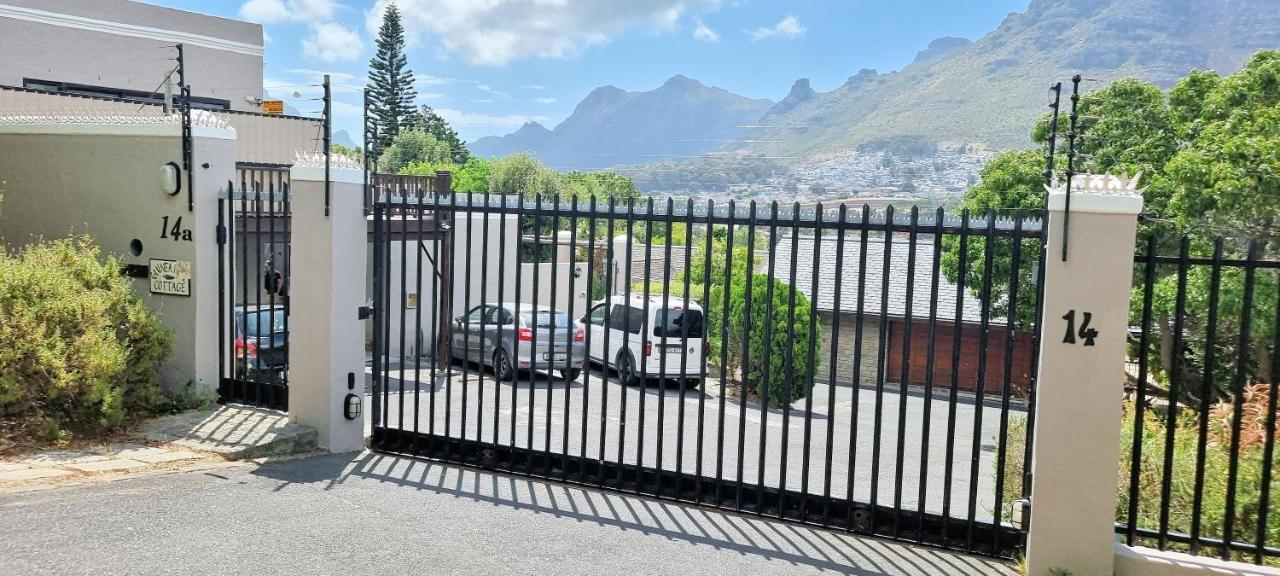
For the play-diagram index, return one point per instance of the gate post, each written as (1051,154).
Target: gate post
(326,336)
(1076,448)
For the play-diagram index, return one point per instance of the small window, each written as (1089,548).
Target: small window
(265,323)
(677,323)
(597,315)
(627,318)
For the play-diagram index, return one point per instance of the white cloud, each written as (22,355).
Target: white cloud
(264,11)
(489,90)
(496,32)
(429,80)
(545,100)
(339,82)
(460,118)
(535,87)
(276,11)
(788,27)
(705,34)
(332,42)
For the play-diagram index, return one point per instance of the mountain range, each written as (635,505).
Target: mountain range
(612,126)
(987,92)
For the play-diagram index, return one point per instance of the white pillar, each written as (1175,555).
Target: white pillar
(1082,352)
(326,336)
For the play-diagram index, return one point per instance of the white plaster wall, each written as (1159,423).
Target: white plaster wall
(487,268)
(259,138)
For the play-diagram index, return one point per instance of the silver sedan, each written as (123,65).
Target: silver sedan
(511,337)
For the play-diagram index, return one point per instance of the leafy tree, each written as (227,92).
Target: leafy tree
(1209,151)
(471,177)
(781,374)
(391,92)
(521,174)
(413,146)
(1010,182)
(427,120)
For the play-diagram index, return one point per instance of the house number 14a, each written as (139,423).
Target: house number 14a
(177,232)
(1084,333)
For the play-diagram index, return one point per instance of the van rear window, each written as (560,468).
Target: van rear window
(677,323)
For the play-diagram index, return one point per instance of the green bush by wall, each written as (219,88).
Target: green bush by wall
(81,352)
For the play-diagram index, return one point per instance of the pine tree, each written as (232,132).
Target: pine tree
(391,92)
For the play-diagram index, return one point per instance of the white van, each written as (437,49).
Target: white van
(667,343)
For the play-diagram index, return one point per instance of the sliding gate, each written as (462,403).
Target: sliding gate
(863,370)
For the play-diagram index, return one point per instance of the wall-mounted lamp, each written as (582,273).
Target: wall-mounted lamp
(169,182)
(351,404)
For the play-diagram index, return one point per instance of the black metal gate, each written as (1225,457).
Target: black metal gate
(253,309)
(863,370)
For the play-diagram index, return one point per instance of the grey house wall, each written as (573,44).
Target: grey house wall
(845,347)
(128,45)
(103,180)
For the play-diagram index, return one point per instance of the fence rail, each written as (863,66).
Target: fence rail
(1201,463)
(757,405)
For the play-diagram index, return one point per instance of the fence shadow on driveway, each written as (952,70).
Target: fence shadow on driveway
(796,544)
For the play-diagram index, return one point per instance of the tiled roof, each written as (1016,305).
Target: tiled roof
(898,268)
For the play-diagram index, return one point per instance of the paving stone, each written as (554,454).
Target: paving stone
(61,458)
(31,474)
(234,432)
(135,451)
(106,465)
(167,456)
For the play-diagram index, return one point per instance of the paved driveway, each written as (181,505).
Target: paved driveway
(375,514)
(672,418)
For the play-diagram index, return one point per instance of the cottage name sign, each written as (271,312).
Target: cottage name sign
(170,277)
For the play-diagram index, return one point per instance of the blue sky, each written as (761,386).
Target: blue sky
(489,66)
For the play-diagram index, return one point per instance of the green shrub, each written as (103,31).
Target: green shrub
(81,352)
(1182,486)
(783,376)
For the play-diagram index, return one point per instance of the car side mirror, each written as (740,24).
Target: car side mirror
(457,320)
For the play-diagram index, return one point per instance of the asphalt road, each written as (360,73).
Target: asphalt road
(375,514)
(538,418)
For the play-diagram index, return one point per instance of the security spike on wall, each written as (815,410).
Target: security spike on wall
(316,159)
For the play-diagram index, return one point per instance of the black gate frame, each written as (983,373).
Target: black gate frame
(261,193)
(829,511)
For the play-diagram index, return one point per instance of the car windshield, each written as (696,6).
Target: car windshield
(678,323)
(264,322)
(546,319)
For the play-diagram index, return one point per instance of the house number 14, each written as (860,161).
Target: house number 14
(1085,333)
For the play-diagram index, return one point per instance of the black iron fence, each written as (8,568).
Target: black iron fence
(1201,420)
(255,267)
(865,371)
(413,186)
